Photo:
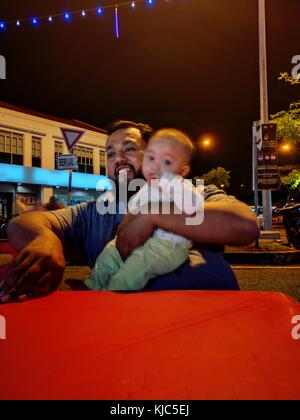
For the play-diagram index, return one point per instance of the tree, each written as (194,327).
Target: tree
(219,177)
(289,79)
(292,180)
(288,122)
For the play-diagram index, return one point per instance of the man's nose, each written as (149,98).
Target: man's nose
(121,157)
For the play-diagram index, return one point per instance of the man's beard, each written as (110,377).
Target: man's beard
(124,183)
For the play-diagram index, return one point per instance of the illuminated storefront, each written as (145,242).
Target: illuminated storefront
(29,145)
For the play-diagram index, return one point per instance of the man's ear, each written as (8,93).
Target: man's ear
(185,170)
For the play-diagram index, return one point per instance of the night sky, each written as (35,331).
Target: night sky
(192,64)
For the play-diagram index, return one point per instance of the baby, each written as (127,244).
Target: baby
(165,164)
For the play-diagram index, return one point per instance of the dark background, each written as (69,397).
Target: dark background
(192,64)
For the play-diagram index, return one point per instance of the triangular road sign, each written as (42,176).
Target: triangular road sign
(71,136)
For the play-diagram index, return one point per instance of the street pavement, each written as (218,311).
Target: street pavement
(285,279)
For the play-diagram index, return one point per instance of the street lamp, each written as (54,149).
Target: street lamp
(206,142)
(285,148)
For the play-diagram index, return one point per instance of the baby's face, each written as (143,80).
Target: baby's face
(164,155)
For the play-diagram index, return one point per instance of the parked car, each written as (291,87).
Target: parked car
(3,229)
(291,220)
(276,218)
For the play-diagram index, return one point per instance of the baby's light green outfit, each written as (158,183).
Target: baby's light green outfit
(160,254)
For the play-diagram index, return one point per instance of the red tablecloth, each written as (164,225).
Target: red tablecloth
(156,345)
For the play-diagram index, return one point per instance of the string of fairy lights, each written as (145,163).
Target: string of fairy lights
(83,13)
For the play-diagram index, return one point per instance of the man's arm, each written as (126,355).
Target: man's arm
(226,223)
(39,266)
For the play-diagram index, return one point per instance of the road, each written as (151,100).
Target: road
(284,279)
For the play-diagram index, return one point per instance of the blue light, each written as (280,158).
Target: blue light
(34,21)
(48,177)
(150,2)
(99,11)
(67,16)
(117,23)
(2,25)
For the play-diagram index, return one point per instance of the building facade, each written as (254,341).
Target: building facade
(29,145)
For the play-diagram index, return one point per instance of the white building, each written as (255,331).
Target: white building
(29,144)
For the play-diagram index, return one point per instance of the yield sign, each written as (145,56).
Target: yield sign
(71,136)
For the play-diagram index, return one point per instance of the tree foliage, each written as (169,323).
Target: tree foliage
(289,79)
(292,180)
(219,177)
(288,123)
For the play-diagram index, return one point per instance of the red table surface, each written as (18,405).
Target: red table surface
(155,345)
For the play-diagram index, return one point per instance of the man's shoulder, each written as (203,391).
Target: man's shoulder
(213,193)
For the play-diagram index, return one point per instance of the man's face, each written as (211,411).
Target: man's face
(125,150)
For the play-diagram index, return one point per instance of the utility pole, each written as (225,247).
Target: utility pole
(264,111)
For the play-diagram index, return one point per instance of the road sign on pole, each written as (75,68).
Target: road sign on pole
(71,136)
(267,159)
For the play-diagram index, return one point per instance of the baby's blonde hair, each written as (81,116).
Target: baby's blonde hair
(177,136)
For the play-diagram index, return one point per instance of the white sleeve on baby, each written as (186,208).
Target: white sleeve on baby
(182,192)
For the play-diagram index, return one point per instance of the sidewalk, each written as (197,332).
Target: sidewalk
(270,252)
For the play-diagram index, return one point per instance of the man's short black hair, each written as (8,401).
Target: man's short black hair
(145,129)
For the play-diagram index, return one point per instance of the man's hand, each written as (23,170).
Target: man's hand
(133,232)
(36,271)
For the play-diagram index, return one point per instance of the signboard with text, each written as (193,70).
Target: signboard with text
(268,177)
(67,162)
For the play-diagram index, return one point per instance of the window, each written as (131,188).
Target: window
(84,159)
(36,152)
(102,162)
(11,148)
(58,151)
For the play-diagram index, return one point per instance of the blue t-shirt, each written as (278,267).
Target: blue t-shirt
(86,232)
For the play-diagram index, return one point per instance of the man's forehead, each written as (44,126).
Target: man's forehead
(123,137)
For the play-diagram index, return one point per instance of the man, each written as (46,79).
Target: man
(45,240)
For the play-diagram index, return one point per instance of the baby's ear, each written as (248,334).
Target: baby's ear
(185,170)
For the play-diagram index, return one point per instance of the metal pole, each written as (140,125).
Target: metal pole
(254,171)
(70,187)
(264,111)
